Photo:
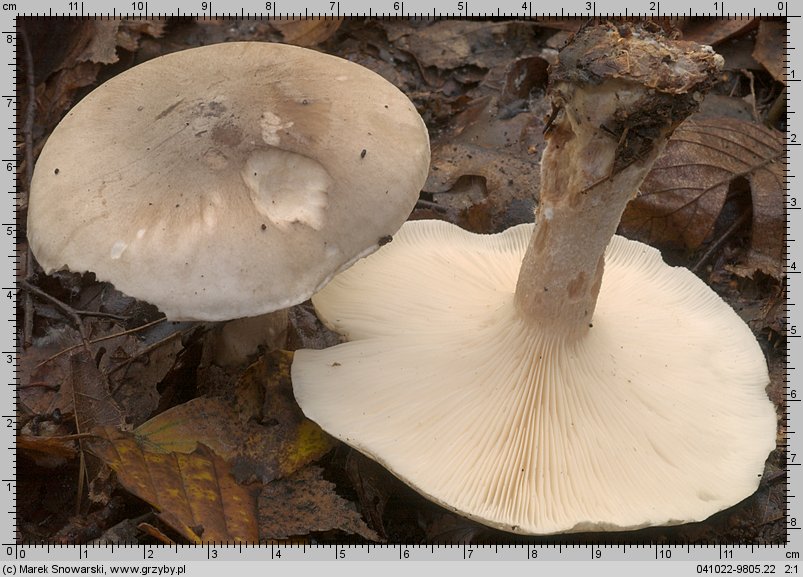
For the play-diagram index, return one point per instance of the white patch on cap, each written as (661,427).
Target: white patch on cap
(118,249)
(209,216)
(141,233)
(271,125)
(288,188)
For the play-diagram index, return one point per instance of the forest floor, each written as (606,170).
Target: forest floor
(110,393)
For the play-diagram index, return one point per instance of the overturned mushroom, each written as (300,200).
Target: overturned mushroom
(507,378)
(227,181)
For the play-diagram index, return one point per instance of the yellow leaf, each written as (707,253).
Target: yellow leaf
(194,492)
(281,443)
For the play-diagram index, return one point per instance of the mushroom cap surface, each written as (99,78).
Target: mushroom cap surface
(658,415)
(229,180)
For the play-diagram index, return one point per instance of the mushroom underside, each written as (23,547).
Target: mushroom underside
(657,415)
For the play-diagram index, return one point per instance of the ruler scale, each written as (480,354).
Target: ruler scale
(556,555)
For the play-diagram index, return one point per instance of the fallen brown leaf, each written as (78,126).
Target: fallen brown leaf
(84,528)
(55,449)
(130,32)
(565,24)
(306,331)
(280,443)
(485,168)
(56,95)
(308,32)
(45,384)
(93,405)
(98,40)
(451,44)
(131,366)
(459,50)
(770,49)
(154,532)
(304,442)
(102,47)
(135,369)
(194,493)
(682,197)
(91,45)
(369,480)
(448,527)
(307,503)
(713,31)
(124,532)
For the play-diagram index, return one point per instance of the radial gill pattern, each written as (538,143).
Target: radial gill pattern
(658,415)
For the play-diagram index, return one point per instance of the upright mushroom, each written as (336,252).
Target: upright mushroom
(227,181)
(555,378)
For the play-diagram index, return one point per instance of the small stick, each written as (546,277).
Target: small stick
(27,327)
(42,384)
(66,309)
(73,437)
(100,339)
(30,113)
(427,204)
(138,355)
(714,246)
(777,110)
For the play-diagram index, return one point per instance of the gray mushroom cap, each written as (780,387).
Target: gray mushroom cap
(228,180)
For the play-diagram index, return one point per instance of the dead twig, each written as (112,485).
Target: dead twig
(71,312)
(101,339)
(777,111)
(65,308)
(717,244)
(102,315)
(429,205)
(138,355)
(73,437)
(30,113)
(752,80)
(42,384)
